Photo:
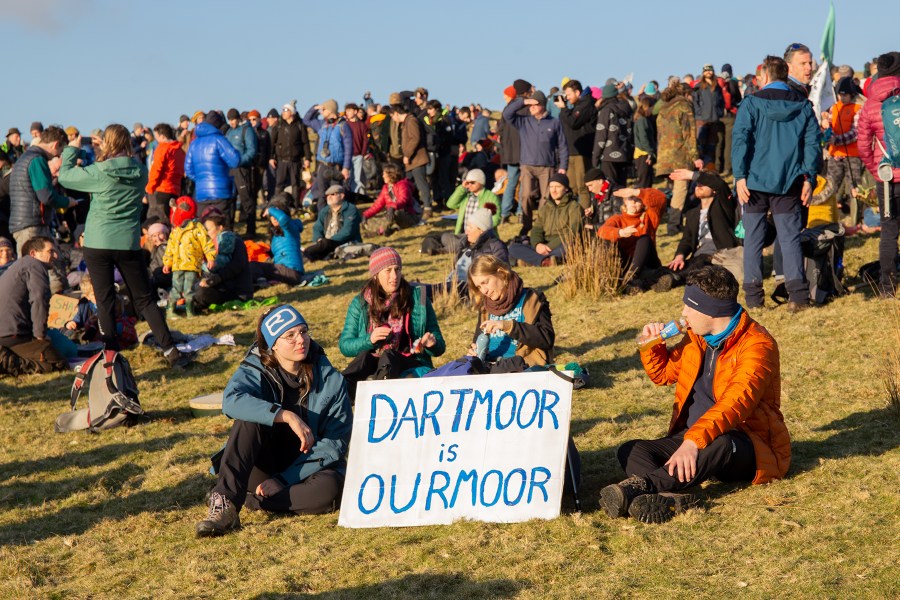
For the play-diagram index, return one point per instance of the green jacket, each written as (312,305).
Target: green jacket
(117,190)
(554,221)
(458,200)
(355,336)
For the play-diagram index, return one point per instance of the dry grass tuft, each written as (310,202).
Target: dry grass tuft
(592,268)
(446,300)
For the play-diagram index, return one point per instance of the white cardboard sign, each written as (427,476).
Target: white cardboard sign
(482,447)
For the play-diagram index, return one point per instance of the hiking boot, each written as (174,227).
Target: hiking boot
(223,517)
(178,359)
(665,283)
(427,214)
(659,508)
(795,307)
(616,498)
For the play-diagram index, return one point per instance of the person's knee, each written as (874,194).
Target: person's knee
(624,452)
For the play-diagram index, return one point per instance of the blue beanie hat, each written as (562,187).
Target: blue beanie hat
(280,320)
(650,89)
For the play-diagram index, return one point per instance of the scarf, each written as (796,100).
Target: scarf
(508,301)
(716,340)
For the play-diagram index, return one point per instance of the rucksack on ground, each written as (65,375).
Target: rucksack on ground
(352,250)
(112,395)
(823,251)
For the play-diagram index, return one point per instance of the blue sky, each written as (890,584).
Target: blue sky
(92,62)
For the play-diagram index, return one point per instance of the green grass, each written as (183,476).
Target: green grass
(112,515)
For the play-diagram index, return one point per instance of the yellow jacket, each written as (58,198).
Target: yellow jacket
(188,245)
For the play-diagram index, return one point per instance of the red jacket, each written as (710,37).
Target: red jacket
(654,204)
(167,169)
(746,387)
(870,125)
(402,200)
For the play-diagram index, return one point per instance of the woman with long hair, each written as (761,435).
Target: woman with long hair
(286,449)
(112,233)
(391,329)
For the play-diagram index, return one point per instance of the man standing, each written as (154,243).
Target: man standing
(731,92)
(37,128)
(32,195)
(139,143)
(800,68)
(775,157)
(13,147)
(509,152)
(209,162)
(578,117)
(359,128)
(542,151)
(166,173)
(613,142)
(412,149)
(290,150)
(726,421)
(334,156)
(243,138)
(263,151)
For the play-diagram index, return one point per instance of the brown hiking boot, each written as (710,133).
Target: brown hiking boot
(223,517)
(665,283)
(659,508)
(616,498)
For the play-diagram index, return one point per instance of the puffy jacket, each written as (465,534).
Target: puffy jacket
(188,246)
(401,199)
(460,197)
(535,335)
(117,188)
(556,221)
(350,220)
(542,141)
(243,139)
(255,394)
(870,125)
(746,386)
(355,335)
(31,192)
(613,140)
(209,161)
(337,134)
(167,169)
(579,123)
(286,247)
(776,140)
(487,243)
(676,136)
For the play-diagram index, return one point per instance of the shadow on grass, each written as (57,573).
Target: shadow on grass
(420,585)
(863,433)
(601,370)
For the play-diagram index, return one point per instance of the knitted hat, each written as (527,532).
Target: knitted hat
(395,98)
(609,91)
(559,178)
(726,68)
(482,218)
(476,175)
(157,228)
(540,97)
(233,114)
(593,174)
(383,258)
(650,89)
(183,210)
(272,114)
(509,92)
(279,321)
(845,85)
(291,106)
(521,86)
(5,243)
(253,114)
(331,105)
(37,125)
(888,64)
(215,119)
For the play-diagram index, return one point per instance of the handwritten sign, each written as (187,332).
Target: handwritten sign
(62,309)
(482,447)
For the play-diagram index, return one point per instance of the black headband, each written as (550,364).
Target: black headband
(706,304)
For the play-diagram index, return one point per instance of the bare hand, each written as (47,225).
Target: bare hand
(380,334)
(561,171)
(806,193)
(651,330)
(589,211)
(272,163)
(71,326)
(743,191)
(681,175)
(76,143)
(167,270)
(698,163)
(626,193)
(306,163)
(204,283)
(677,263)
(405,161)
(543,249)
(490,326)
(530,102)
(627,231)
(346,174)
(269,487)
(473,351)
(428,340)
(560,103)
(683,464)
(210,263)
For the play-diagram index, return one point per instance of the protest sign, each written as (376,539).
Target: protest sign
(62,309)
(482,447)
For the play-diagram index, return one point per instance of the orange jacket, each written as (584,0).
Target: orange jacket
(167,169)
(844,118)
(746,387)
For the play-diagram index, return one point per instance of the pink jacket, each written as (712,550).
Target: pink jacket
(870,125)
(402,200)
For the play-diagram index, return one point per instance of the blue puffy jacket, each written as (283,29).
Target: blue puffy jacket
(286,247)
(338,135)
(244,140)
(209,159)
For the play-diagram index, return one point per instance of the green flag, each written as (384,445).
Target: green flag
(827,44)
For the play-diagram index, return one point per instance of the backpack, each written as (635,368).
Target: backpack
(823,251)
(352,250)
(112,395)
(467,365)
(890,119)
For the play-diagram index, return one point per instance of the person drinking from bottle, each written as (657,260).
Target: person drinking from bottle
(726,421)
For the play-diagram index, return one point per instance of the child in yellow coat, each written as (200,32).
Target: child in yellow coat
(188,245)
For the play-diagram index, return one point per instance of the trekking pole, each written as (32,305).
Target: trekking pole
(574,482)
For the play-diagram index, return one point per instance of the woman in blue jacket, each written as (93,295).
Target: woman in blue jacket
(287,258)
(286,451)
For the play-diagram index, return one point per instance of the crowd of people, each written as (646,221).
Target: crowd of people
(124,218)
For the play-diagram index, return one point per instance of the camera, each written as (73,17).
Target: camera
(326,151)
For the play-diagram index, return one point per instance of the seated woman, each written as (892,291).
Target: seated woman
(558,219)
(634,231)
(287,259)
(515,319)
(395,200)
(391,330)
(230,277)
(286,449)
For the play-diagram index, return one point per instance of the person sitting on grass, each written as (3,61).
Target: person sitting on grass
(558,219)
(726,420)
(7,254)
(634,231)
(395,200)
(466,199)
(287,259)
(708,234)
(230,277)
(292,422)
(188,246)
(337,224)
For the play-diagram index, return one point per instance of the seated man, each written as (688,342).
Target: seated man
(708,235)
(25,288)
(557,220)
(336,225)
(726,422)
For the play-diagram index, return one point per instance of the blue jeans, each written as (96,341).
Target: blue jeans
(356,183)
(509,194)
(788,222)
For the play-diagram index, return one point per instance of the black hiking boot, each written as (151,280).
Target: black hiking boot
(223,517)
(659,508)
(616,498)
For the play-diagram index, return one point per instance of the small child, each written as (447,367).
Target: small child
(188,245)
(84,328)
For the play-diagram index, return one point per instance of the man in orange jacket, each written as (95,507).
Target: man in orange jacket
(726,420)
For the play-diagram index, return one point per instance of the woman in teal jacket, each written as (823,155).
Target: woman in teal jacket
(391,330)
(286,451)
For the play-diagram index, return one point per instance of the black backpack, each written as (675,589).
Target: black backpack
(823,250)
(112,395)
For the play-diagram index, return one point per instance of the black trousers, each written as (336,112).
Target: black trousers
(320,250)
(287,173)
(730,457)
(204,296)
(226,207)
(131,264)
(644,173)
(246,195)
(616,172)
(644,256)
(387,366)
(887,243)
(327,174)
(255,453)
(158,206)
(275,272)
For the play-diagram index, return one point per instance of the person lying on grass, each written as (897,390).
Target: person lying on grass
(726,421)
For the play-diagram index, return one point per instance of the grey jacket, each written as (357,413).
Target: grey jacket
(25,289)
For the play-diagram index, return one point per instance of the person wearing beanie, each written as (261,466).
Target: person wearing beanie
(334,157)
(209,161)
(7,254)
(736,434)
(188,250)
(291,151)
(391,330)
(522,88)
(557,221)
(543,151)
(242,136)
(613,142)
(471,195)
(292,422)
(337,223)
(731,95)
(871,145)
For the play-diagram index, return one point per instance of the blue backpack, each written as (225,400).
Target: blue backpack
(890,118)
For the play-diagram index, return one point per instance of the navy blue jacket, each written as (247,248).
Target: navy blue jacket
(540,140)
(209,159)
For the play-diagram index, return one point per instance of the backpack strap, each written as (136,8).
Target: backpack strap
(80,378)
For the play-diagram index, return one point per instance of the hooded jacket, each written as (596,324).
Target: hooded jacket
(776,140)
(460,197)
(746,388)
(209,161)
(255,394)
(167,169)
(243,139)
(676,137)
(870,125)
(555,221)
(117,192)
(613,138)
(286,247)
(579,123)
(188,246)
